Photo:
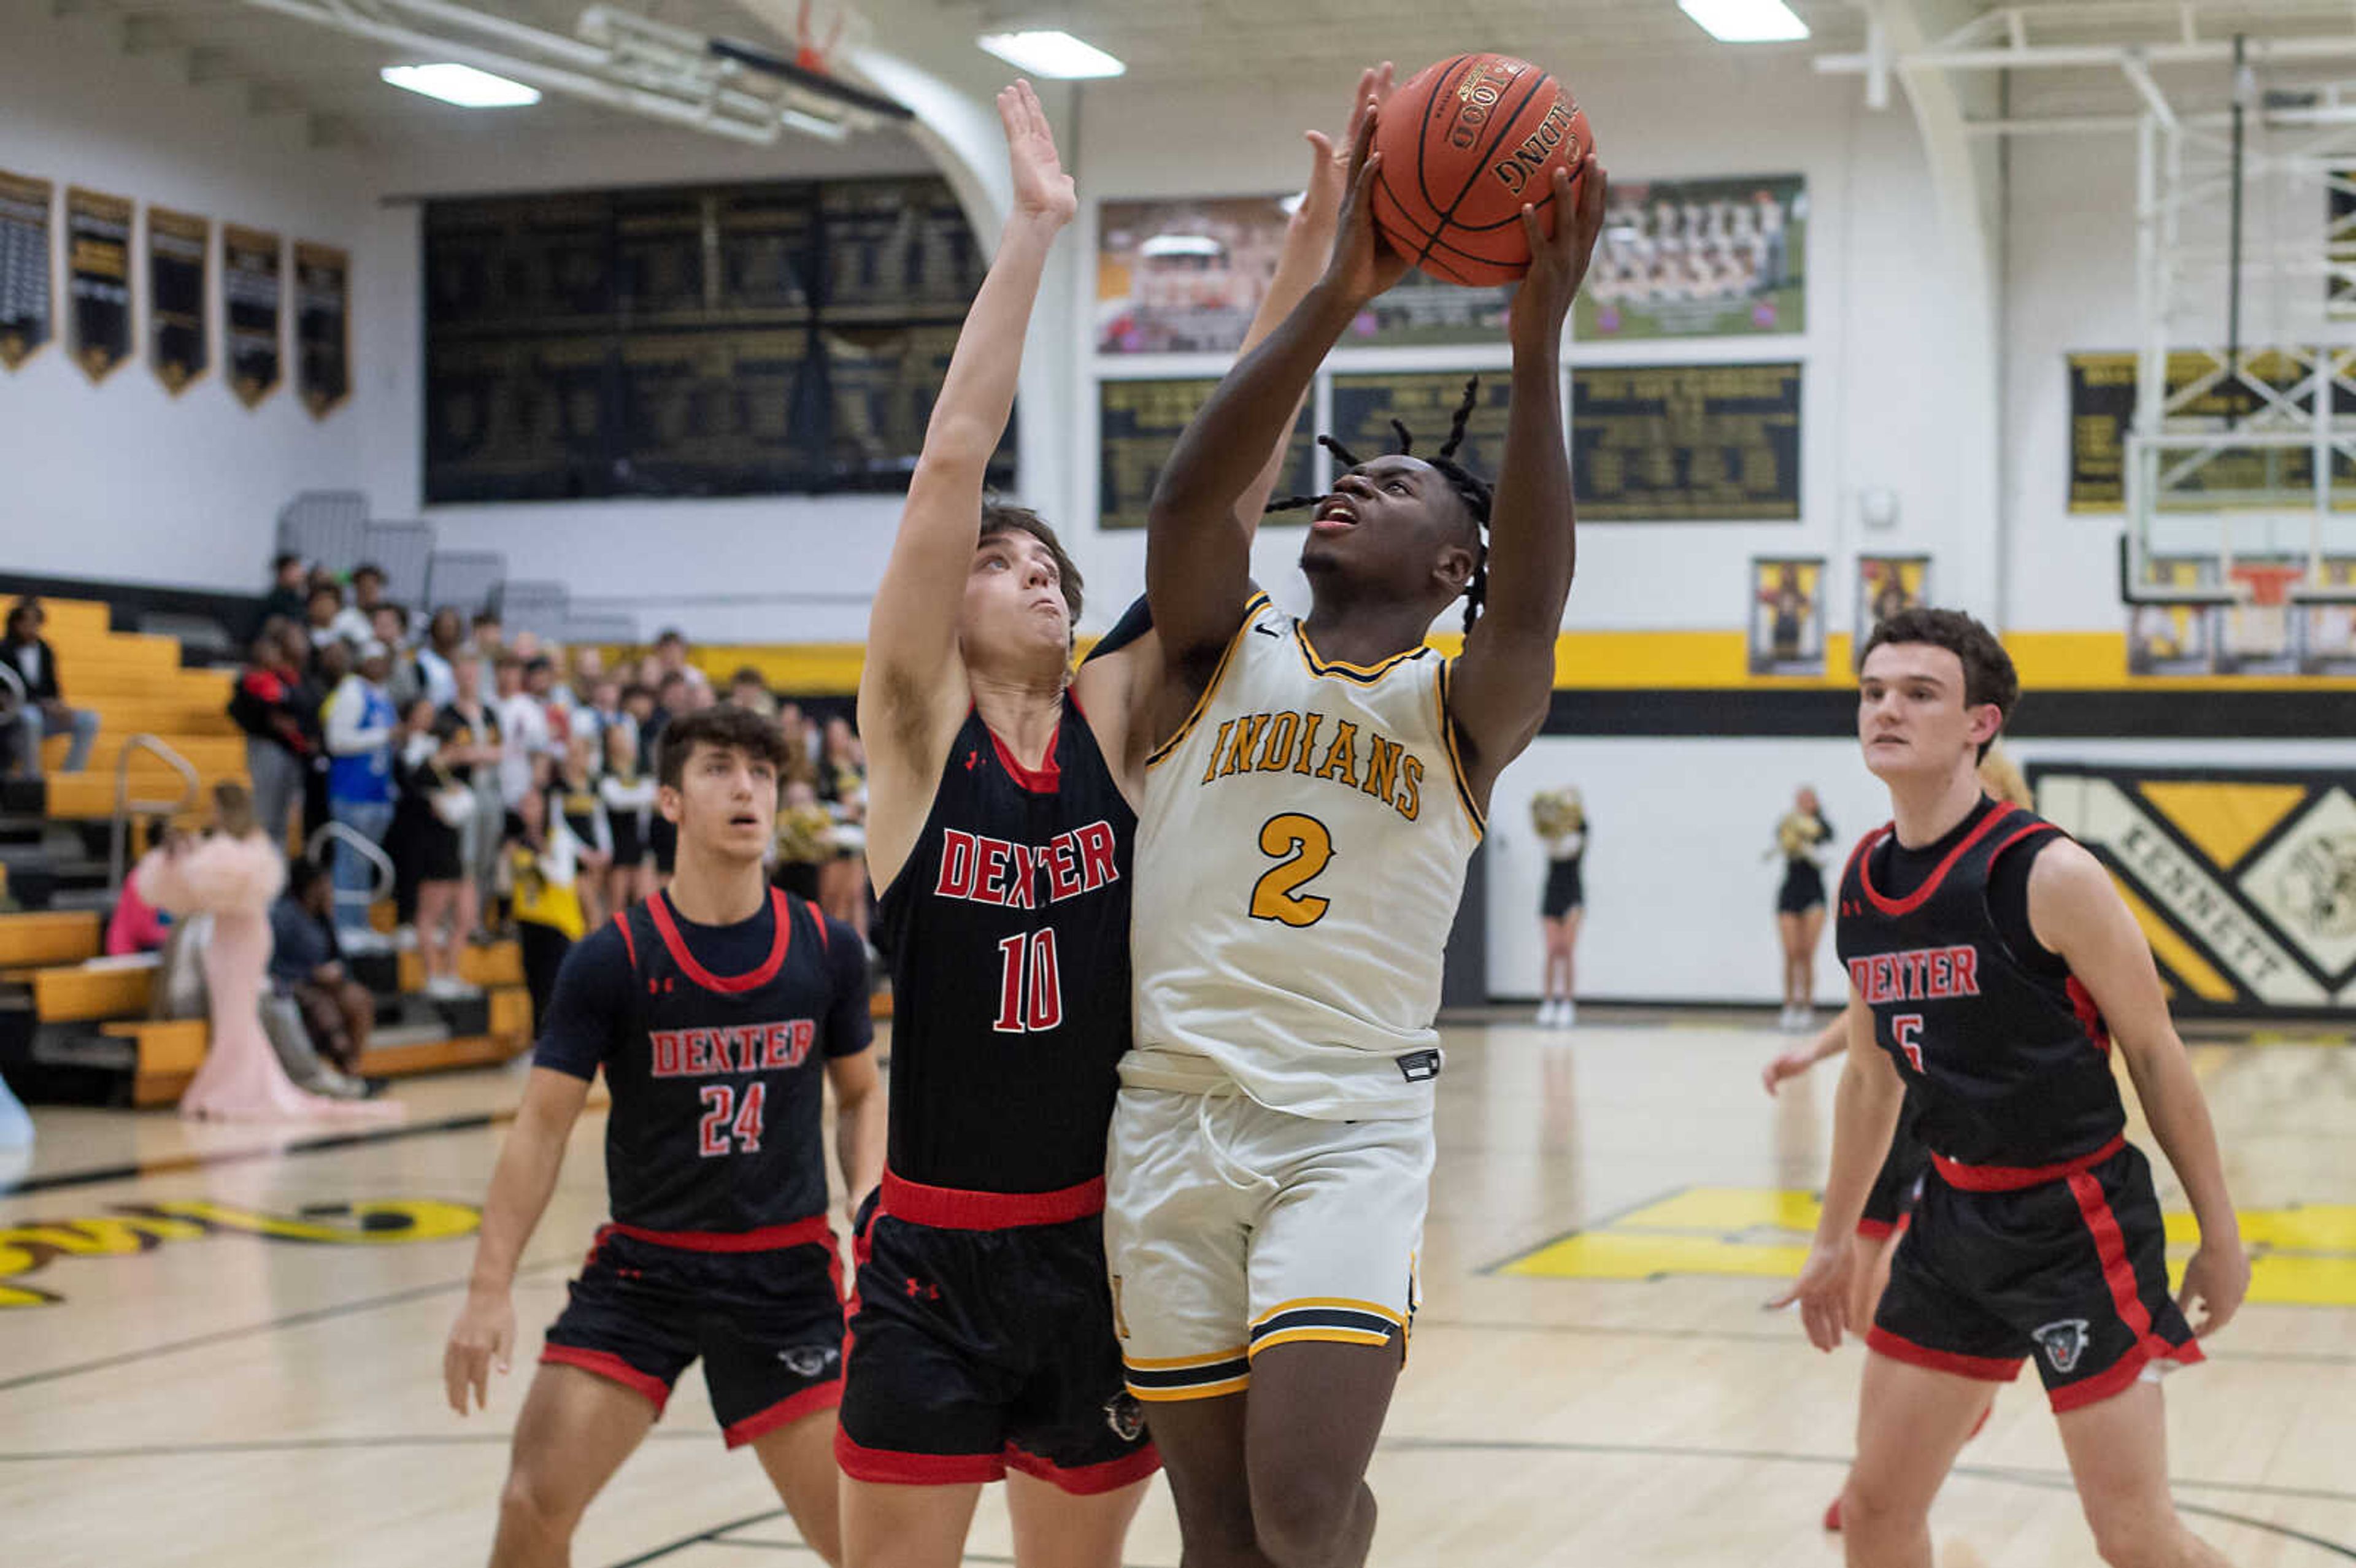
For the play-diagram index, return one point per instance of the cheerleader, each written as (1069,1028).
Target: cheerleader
(629,799)
(575,796)
(1800,839)
(1560,819)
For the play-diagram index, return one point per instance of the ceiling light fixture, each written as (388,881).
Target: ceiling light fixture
(1051,53)
(1181,245)
(462,85)
(1746,21)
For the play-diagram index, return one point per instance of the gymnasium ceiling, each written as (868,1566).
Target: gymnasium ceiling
(278,65)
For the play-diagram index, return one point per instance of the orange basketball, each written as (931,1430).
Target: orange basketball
(1465,143)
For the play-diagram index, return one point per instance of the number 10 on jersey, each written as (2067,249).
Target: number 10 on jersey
(1029,984)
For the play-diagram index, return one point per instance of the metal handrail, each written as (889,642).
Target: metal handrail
(369,851)
(13,681)
(125,806)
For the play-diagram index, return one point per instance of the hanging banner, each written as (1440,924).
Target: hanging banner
(252,291)
(27,268)
(2240,880)
(97,274)
(322,327)
(179,249)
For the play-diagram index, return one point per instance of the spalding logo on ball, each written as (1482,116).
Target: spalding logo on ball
(1465,145)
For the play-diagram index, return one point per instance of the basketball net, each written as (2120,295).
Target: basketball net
(818,33)
(2258,624)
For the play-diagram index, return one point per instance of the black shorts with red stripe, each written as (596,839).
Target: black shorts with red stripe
(1895,1185)
(762,1310)
(981,1341)
(2067,1264)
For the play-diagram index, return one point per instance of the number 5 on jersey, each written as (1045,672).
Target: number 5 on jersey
(1906,1029)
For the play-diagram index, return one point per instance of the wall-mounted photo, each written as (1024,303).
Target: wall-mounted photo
(1719,258)
(1787,615)
(1887,584)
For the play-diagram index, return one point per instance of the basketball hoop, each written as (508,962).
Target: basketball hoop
(822,30)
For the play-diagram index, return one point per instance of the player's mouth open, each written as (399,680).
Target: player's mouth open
(1335,516)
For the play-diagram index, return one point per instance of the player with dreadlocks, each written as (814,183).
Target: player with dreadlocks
(1317,790)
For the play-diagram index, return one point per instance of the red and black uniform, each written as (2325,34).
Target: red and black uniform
(982,1332)
(1892,1197)
(2038,1233)
(714,1041)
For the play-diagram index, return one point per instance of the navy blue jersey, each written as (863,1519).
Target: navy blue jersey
(1008,934)
(2005,1051)
(713,1039)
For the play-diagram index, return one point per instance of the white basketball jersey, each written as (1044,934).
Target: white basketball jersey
(1299,861)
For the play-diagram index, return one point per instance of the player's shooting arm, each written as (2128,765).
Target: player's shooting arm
(1504,679)
(859,1123)
(2075,911)
(913,692)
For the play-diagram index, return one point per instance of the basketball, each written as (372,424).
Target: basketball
(1465,145)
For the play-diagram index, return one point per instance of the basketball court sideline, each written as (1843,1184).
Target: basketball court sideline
(222,1345)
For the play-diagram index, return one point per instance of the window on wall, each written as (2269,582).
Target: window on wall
(737,340)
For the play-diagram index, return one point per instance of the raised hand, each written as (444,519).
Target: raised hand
(1559,261)
(1363,264)
(1329,162)
(1042,189)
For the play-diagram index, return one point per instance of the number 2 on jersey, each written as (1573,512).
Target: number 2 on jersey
(1303,845)
(721,1118)
(1906,1029)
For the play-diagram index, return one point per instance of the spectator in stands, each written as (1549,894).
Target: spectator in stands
(542,678)
(801,745)
(749,691)
(523,729)
(277,752)
(13,706)
(360,721)
(445,633)
(574,796)
(489,636)
(136,925)
(321,617)
(306,965)
(805,840)
(842,786)
(603,711)
(404,682)
(413,745)
(638,708)
(43,712)
(588,667)
(287,599)
(671,699)
(331,661)
(672,650)
(471,753)
(543,869)
(356,622)
(629,792)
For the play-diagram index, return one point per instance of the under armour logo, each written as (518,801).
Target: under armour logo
(2064,1342)
(972,759)
(920,1291)
(658,987)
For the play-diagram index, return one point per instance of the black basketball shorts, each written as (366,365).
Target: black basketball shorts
(981,1341)
(765,1315)
(2070,1269)
(1894,1186)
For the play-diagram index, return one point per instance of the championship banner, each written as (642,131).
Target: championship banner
(2243,882)
(98,274)
(1139,423)
(1665,443)
(322,327)
(179,249)
(2102,412)
(28,277)
(253,298)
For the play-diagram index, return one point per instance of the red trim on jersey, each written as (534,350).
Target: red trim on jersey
(2111,1246)
(1985,1368)
(2090,1016)
(813,1231)
(1858,853)
(2034,827)
(659,909)
(1921,895)
(785,1412)
(817,919)
(1086,1480)
(953,1208)
(1047,778)
(630,943)
(2120,1378)
(897,1470)
(607,1365)
(1875,1230)
(2013,1178)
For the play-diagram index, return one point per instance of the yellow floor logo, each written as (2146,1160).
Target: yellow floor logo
(2303,1256)
(133,1230)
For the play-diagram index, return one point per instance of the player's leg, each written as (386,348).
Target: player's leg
(772,1344)
(798,1458)
(892,1525)
(1202,1445)
(575,1429)
(1869,1275)
(1912,1422)
(1313,1415)
(1804,977)
(1057,1529)
(2118,1455)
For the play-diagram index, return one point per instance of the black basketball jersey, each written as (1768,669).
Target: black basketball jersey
(717,1086)
(2009,1065)
(1008,935)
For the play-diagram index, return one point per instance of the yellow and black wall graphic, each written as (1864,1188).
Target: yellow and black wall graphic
(2243,882)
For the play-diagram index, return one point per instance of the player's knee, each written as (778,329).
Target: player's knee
(1303,1519)
(1870,1510)
(535,1509)
(2134,1538)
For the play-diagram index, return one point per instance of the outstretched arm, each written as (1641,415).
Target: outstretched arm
(913,693)
(1505,678)
(1198,549)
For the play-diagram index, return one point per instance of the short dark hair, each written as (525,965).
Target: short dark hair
(730,729)
(1000,519)
(509,659)
(670,635)
(368,568)
(282,559)
(488,618)
(1988,675)
(749,674)
(303,874)
(329,588)
(538,664)
(27,605)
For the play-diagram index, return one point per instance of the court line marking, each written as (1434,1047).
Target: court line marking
(2292,1357)
(180,1164)
(293,1320)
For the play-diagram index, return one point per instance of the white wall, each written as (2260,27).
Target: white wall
(124,481)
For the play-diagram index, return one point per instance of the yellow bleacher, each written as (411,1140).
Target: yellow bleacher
(133,682)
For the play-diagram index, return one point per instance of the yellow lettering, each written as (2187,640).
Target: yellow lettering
(1211,768)
(1411,779)
(1382,766)
(1279,750)
(1308,742)
(1342,761)
(1249,731)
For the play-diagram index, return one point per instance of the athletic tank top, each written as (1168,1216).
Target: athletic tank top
(1300,860)
(1008,935)
(2010,1066)
(717,1100)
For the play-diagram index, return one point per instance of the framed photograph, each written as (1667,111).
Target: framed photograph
(1717,258)
(1887,584)
(1184,275)
(1787,614)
